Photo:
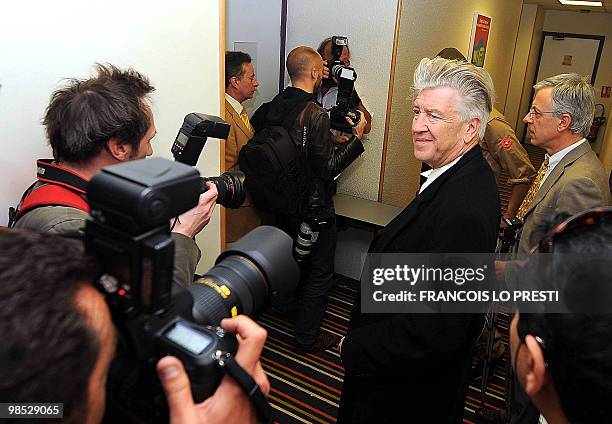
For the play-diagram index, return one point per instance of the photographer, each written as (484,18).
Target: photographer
(308,129)
(58,338)
(328,93)
(90,124)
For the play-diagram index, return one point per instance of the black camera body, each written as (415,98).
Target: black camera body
(338,43)
(192,136)
(345,77)
(509,235)
(129,233)
(188,145)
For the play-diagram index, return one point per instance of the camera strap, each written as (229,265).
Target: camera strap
(55,186)
(250,387)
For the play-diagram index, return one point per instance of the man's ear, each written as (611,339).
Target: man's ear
(565,123)
(234,81)
(314,73)
(471,130)
(120,151)
(536,376)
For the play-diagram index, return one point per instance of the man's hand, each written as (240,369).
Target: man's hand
(340,138)
(325,70)
(191,222)
(229,403)
(359,129)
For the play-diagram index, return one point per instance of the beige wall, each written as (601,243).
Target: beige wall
(528,45)
(65,41)
(520,63)
(592,24)
(426,27)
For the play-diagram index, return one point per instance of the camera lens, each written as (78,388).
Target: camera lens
(257,270)
(230,186)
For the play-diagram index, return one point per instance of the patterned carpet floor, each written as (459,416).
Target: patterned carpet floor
(306,389)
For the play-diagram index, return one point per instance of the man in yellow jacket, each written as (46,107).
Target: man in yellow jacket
(240,85)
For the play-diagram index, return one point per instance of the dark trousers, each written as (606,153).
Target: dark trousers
(317,274)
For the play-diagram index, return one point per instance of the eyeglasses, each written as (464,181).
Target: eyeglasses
(533,112)
(578,222)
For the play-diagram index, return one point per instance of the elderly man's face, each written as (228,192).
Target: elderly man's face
(247,85)
(542,124)
(437,128)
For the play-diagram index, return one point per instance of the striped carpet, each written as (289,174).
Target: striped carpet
(306,389)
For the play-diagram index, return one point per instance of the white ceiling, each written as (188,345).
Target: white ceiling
(554,4)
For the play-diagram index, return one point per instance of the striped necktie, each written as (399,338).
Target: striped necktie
(532,191)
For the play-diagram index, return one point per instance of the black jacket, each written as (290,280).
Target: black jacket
(417,363)
(326,158)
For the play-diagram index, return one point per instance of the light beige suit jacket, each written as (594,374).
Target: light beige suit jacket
(242,220)
(577,183)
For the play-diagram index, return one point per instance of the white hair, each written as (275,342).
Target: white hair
(474,84)
(574,95)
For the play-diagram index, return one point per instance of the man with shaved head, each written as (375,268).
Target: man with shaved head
(308,126)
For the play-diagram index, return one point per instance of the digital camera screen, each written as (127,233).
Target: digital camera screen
(189,338)
(347,74)
(182,138)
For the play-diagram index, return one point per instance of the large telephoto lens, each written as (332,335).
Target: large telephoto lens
(257,270)
(230,186)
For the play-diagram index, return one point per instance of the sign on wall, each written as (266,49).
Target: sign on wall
(481,26)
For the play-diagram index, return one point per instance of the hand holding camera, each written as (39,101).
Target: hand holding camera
(357,123)
(229,403)
(194,220)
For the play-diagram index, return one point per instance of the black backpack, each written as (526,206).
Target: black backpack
(277,174)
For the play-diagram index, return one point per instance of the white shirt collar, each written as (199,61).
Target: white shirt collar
(235,103)
(433,174)
(556,158)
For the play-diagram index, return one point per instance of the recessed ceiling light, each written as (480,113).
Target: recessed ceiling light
(580,3)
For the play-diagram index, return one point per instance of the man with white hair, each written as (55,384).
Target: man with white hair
(570,180)
(415,367)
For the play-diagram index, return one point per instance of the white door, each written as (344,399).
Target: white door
(566,55)
(254,27)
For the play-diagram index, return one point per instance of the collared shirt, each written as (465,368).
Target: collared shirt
(235,103)
(432,174)
(556,158)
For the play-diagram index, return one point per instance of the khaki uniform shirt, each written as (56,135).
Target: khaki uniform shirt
(503,151)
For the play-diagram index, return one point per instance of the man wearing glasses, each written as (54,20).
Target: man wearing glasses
(572,178)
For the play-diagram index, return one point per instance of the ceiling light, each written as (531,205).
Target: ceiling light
(580,3)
